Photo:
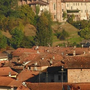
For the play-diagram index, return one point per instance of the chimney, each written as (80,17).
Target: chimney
(82,45)
(37,47)
(9,74)
(35,63)
(53,57)
(84,52)
(24,84)
(74,53)
(74,47)
(51,62)
(42,58)
(47,50)
(38,51)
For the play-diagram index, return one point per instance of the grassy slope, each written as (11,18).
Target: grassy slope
(73,32)
(29,30)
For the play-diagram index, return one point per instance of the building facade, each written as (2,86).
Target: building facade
(78,8)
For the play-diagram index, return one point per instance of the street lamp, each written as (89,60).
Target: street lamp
(62,76)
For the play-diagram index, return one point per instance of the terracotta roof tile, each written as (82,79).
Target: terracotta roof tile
(45,86)
(20,51)
(26,74)
(56,86)
(77,62)
(4,71)
(21,87)
(5,81)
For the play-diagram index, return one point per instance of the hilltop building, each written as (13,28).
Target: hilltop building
(78,8)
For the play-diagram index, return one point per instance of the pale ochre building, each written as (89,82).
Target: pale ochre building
(80,8)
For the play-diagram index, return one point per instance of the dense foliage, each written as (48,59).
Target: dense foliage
(62,35)
(17,37)
(85,33)
(3,41)
(83,26)
(44,32)
(13,18)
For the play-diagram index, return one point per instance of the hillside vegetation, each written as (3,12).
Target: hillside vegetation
(30,30)
(73,32)
(22,27)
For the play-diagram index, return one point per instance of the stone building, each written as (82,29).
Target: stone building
(78,8)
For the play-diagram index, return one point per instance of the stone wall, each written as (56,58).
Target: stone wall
(78,75)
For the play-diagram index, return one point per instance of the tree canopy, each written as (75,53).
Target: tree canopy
(44,32)
(85,33)
(17,37)
(3,41)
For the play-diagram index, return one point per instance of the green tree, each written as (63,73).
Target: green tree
(85,33)
(17,37)
(64,15)
(27,42)
(37,9)
(44,32)
(71,19)
(62,35)
(27,13)
(7,7)
(3,41)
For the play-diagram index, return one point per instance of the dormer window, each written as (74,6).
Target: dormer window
(54,6)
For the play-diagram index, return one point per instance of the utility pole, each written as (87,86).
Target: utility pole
(62,71)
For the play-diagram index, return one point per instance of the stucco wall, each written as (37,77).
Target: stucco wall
(78,75)
(82,6)
(55,9)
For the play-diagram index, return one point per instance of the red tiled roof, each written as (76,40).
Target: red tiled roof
(26,74)
(15,83)
(58,86)
(82,86)
(5,81)
(78,51)
(44,86)
(21,87)
(4,71)
(77,62)
(20,51)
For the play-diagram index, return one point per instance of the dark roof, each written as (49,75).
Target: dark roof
(75,0)
(26,74)
(38,2)
(77,62)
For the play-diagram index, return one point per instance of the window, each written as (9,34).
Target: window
(64,77)
(59,77)
(71,7)
(54,16)
(54,6)
(67,5)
